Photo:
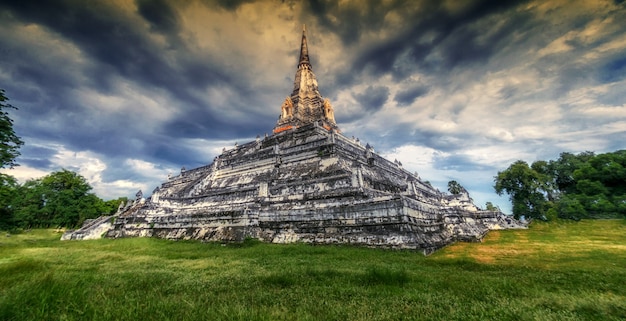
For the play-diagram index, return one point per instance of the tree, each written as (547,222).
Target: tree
(546,172)
(570,207)
(564,168)
(8,189)
(490,207)
(62,198)
(27,205)
(9,141)
(599,184)
(455,188)
(585,185)
(68,200)
(111,206)
(525,189)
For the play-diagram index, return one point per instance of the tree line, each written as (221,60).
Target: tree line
(574,186)
(60,199)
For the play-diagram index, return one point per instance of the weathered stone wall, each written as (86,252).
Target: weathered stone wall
(306,185)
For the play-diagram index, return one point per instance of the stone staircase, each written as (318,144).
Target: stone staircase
(91,229)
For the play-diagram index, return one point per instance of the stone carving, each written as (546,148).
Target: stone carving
(287,109)
(329,112)
(309,183)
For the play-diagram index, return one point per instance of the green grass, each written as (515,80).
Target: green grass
(557,271)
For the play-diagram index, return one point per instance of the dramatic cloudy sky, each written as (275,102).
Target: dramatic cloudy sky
(125,92)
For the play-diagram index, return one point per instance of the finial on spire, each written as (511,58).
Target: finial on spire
(304,50)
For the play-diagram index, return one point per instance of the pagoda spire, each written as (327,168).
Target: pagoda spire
(305,105)
(304,51)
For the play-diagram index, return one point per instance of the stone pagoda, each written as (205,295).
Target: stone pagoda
(307,183)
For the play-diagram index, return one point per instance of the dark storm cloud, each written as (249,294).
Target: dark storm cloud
(228,4)
(39,74)
(570,76)
(99,30)
(161,15)
(472,38)
(373,98)
(38,156)
(398,134)
(176,154)
(35,162)
(197,123)
(78,126)
(613,70)
(508,92)
(350,20)
(38,151)
(203,73)
(35,71)
(452,39)
(572,71)
(616,141)
(113,173)
(408,96)
(120,47)
(439,141)
(116,47)
(109,141)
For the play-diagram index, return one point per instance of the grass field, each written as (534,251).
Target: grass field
(557,271)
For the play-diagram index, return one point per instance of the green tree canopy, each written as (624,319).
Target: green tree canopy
(9,142)
(524,186)
(574,186)
(111,206)
(564,167)
(8,190)
(490,207)
(455,188)
(62,198)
